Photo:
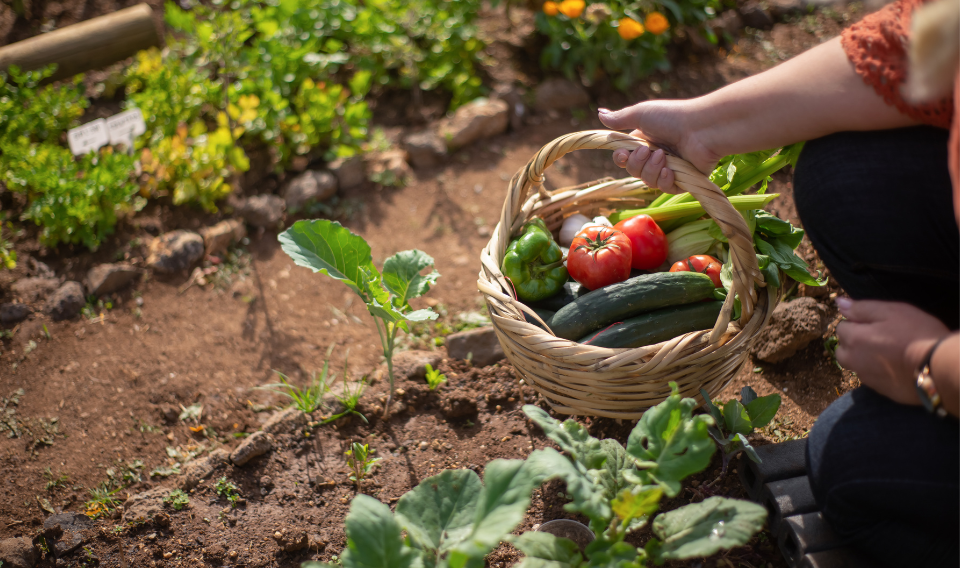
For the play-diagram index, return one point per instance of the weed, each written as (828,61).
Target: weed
(192,412)
(103,501)
(118,530)
(55,482)
(95,308)
(306,399)
(736,419)
(434,377)
(830,345)
(228,489)
(359,460)
(177,499)
(145,427)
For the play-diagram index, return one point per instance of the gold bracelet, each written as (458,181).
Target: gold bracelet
(926,388)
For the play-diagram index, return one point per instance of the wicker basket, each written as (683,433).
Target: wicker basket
(619,383)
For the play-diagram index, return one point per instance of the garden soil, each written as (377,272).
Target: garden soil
(102,395)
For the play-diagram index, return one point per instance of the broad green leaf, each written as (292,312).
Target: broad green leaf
(373,538)
(630,505)
(329,248)
(747,395)
(702,529)
(769,270)
(604,554)
(748,449)
(762,410)
(401,275)
(735,418)
(386,311)
(782,254)
(440,510)
(544,550)
(711,408)
(572,437)
(670,442)
(421,315)
(589,496)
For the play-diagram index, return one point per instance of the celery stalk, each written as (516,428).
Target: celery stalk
(668,212)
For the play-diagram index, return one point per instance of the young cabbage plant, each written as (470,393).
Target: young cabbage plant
(619,489)
(735,420)
(329,248)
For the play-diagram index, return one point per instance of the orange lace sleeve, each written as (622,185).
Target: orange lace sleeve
(877,46)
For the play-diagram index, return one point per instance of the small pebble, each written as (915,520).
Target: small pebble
(167,554)
(278,535)
(424,445)
(233,554)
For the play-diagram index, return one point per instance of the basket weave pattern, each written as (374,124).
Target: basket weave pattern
(619,383)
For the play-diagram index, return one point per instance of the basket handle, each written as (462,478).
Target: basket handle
(746,271)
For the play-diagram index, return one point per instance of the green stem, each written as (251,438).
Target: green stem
(547,267)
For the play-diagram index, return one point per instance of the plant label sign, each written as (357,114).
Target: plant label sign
(126,126)
(89,137)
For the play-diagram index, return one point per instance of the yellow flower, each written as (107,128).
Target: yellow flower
(656,23)
(551,8)
(572,8)
(630,29)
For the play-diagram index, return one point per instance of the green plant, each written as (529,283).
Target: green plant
(736,419)
(830,345)
(360,461)
(329,248)
(102,500)
(306,399)
(55,482)
(177,499)
(434,377)
(624,39)
(228,489)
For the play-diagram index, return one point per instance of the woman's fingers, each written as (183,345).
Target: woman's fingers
(647,166)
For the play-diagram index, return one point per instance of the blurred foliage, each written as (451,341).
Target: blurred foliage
(626,40)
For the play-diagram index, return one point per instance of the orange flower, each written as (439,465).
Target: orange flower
(572,8)
(551,8)
(630,29)
(656,23)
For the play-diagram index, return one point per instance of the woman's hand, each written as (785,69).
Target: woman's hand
(884,343)
(667,124)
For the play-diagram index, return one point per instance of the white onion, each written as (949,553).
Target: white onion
(571,226)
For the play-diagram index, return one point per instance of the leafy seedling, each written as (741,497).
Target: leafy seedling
(306,399)
(102,501)
(329,248)
(55,482)
(229,490)
(736,420)
(360,461)
(830,345)
(177,499)
(434,377)
(191,413)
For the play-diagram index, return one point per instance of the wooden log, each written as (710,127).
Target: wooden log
(92,44)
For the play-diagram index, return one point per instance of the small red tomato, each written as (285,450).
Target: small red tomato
(599,256)
(649,242)
(702,263)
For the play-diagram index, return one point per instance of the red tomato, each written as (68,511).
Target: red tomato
(703,263)
(599,256)
(649,242)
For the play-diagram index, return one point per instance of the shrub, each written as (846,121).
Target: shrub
(626,40)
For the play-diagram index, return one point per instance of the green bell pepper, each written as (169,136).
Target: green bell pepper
(534,263)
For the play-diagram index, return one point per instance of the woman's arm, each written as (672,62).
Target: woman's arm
(812,95)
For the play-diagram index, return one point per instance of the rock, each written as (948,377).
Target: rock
(144,506)
(197,470)
(66,302)
(481,342)
(793,326)
(39,269)
(14,312)
(66,530)
(473,121)
(255,445)
(294,540)
(220,236)
(781,8)
(287,421)
(34,289)
(426,149)
(559,94)
(389,168)
(310,187)
(262,210)
(175,251)
(458,404)
(108,278)
(18,553)
(349,171)
(412,365)
(514,97)
(755,15)
(728,21)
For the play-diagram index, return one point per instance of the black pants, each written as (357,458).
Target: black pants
(878,208)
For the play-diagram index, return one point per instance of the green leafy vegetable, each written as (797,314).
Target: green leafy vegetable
(703,529)
(737,419)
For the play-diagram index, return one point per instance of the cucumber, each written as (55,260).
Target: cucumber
(570,292)
(545,315)
(657,326)
(634,296)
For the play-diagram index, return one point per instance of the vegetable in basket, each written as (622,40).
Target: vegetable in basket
(702,263)
(534,263)
(647,239)
(600,256)
(656,326)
